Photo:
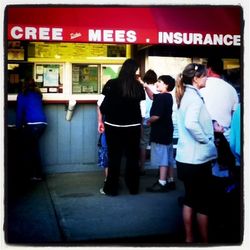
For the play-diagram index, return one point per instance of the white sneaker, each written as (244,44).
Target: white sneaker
(101,191)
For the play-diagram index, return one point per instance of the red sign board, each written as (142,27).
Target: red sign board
(196,25)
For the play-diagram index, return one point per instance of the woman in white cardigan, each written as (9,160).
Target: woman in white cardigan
(195,149)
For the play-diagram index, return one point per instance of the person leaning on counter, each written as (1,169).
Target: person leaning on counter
(32,122)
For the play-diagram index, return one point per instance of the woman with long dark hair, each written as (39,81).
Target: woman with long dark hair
(121,108)
(195,148)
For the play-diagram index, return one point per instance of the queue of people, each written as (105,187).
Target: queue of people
(199,119)
(207,109)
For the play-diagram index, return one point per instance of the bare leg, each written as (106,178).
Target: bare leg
(170,172)
(163,173)
(187,214)
(202,221)
(106,172)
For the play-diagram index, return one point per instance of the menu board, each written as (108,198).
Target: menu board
(69,51)
(84,78)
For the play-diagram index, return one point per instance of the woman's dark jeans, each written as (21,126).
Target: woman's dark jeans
(122,141)
(31,137)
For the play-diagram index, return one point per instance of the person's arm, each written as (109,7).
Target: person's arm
(156,110)
(152,119)
(148,91)
(193,125)
(143,108)
(217,127)
(100,126)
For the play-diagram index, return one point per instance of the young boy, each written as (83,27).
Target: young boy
(161,136)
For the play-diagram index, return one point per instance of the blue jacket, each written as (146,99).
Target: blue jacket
(196,137)
(29,109)
(235,135)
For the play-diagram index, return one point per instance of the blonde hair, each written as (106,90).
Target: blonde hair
(186,78)
(179,89)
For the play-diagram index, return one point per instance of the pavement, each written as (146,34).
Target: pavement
(67,209)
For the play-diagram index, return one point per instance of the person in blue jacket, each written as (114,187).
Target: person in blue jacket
(235,135)
(195,149)
(32,121)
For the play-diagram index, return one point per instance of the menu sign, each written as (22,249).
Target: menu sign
(122,36)
(73,50)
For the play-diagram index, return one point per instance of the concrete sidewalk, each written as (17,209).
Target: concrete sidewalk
(68,209)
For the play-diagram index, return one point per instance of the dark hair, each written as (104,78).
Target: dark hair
(29,85)
(216,65)
(150,77)
(127,78)
(168,80)
(187,76)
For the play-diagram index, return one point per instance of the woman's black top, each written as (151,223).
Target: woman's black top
(120,110)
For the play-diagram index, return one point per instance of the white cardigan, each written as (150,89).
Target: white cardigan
(195,128)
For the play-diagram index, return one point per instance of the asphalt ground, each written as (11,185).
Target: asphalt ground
(68,209)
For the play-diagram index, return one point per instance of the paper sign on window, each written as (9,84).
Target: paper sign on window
(51,77)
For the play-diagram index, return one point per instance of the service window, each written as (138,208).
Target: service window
(114,50)
(17,72)
(17,65)
(85,78)
(49,77)
(109,72)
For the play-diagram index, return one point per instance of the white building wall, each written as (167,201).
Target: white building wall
(167,65)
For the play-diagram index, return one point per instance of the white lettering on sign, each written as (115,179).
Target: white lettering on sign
(32,33)
(75,35)
(57,34)
(123,36)
(112,36)
(120,36)
(177,38)
(16,32)
(236,40)
(108,36)
(44,33)
(131,36)
(218,39)
(198,38)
